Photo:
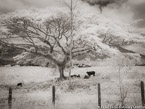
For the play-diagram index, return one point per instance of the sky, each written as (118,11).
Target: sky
(10,5)
(138,6)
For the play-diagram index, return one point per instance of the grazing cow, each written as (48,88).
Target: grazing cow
(80,66)
(19,84)
(91,73)
(86,77)
(72,76)
(75,76)
(78,76)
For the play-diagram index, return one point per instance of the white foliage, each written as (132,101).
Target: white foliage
(92,25)
(21,56)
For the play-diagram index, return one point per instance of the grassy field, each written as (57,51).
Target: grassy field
(81,93)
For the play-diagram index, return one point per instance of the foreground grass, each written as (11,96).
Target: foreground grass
(78,93)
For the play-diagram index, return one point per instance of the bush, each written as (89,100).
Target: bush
(29,59)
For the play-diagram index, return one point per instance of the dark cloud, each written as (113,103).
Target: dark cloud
(104,2)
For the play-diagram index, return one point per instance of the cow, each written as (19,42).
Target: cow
(80,66)
(75,76)
(19,84)
(91,73)
(86,77)
(78,76)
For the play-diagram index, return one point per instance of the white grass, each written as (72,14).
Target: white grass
(13,75)
(37,89)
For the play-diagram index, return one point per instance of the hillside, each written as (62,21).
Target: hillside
(112,27)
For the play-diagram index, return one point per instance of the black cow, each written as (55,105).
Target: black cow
(86,77)
(75,76)
(91,73)
(19,84)
(80,66)
(78,76)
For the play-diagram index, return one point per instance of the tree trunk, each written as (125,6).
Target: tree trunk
(61,71)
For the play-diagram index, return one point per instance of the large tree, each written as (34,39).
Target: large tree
(50,38)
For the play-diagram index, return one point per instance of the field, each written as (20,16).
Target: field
(36,92)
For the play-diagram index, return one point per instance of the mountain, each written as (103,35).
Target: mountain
(136,47)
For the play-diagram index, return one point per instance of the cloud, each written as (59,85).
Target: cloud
(137,6)
(136,2)
(11,5)
(39,3)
